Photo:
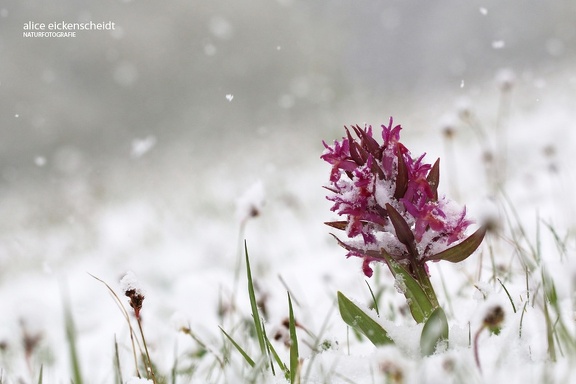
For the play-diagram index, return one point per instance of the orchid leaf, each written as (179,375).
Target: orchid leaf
(462,250)
(361,321)
(419,303)
(402,177)
(403,231)
(434,179)
(340,224)
(435,331)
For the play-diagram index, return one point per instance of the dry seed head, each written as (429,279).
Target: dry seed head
(494,317)
(133,291)
(506,79)
(393,372)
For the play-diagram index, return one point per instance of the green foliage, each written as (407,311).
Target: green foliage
(420,304)
(248,359)
(253,304)
(41,374)
(461,251)
(71,339)
(434,333)
(294,363)
(361,322)
(268,352)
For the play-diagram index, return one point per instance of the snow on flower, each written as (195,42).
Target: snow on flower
(390,200)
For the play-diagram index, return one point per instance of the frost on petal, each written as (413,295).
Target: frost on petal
(250,204)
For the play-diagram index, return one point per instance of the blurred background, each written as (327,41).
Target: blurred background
(187,103)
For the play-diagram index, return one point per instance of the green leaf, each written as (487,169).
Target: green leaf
(239,348)
(434,332)
(72,341)
(41,375)
(294,363)
(462,250)
(276,357)
(362,322)
(253,304)
(419,303)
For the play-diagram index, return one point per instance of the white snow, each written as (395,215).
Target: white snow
(181,238)
(129,282)
(141,146)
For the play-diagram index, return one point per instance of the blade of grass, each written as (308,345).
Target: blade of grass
(253,304)
(276,357)
(239,348)
(374,301)
(40,376)
(294,363)
(117,367)
(508,294)
(133,338)
(71,339)
(268,352)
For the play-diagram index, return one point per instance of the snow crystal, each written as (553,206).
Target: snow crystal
(229,97)
(400,284)
(498,44)
(142,146)
(221,27)
(209,49)
(483,11)
(129,282)
(40,161)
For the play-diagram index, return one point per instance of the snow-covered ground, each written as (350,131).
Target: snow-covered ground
(173,220)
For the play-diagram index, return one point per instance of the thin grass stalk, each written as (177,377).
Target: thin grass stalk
(149,368)
(254,305)
(374,300)
(134,341)
(41,374)
(71,338)
(294,353)
(508,294)
(245,355)
(117,366)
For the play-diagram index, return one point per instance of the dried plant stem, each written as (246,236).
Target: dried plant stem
(476,355)
(126,316)
(149,367)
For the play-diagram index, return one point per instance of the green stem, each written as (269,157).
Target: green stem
(422,277)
